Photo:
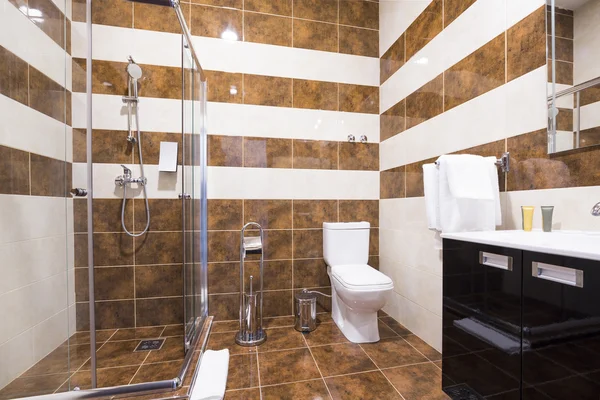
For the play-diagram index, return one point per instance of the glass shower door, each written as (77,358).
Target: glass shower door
(194,198)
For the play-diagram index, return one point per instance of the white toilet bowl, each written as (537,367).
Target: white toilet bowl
(358,293)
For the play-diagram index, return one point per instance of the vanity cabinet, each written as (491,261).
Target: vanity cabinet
(519,324)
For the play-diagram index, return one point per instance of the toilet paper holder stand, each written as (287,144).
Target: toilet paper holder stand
(251,331)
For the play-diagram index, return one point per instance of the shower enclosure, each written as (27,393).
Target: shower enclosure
(85,281)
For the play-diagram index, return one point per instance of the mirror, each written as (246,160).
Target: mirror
(573,74)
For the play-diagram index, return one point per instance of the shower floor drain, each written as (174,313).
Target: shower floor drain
(153,344)
(462,392)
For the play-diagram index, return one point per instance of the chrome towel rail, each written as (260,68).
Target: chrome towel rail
(503,162)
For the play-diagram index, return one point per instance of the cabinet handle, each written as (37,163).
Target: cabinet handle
(496,260)
(555,273)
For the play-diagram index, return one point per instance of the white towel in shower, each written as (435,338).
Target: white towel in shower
(211,378)
(467,198)
(432,198)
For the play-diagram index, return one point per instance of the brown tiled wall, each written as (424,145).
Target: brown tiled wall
(165,82)
(138,281)
(565,34)
(148,269)
(438,15)
(236,151)
(293,248)
(508,56)
(27,173)
(25,84)
(48,18)
(31,174)
(344,26)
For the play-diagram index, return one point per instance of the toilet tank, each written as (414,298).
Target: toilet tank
(346,243)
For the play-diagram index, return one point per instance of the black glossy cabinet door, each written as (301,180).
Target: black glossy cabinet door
(481,303)
(561,327)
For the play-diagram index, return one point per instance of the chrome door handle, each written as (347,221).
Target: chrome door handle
(496,260)
(555,273)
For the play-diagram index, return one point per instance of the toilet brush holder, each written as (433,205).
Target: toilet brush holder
(251,332)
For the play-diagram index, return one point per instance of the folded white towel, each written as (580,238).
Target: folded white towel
(468,176)
(211,378)
(432,198)
(465,214)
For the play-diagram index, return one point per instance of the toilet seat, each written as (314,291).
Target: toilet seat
(361,277)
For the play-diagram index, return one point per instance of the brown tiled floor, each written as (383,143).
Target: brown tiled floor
(324,365)
(68,366)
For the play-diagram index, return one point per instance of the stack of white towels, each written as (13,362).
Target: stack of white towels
(462,194)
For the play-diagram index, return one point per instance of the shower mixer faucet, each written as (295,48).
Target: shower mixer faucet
(126,178)
(596,210)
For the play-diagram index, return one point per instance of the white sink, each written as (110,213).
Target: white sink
(568,243)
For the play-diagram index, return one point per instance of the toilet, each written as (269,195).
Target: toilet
(358,290)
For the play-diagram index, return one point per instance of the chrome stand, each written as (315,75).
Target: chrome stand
(251,304)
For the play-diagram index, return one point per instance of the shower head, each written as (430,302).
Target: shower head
(134,70)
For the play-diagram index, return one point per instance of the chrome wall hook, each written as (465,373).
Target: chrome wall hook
(363,139)
(351,138)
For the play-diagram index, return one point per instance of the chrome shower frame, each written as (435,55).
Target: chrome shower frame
(204,323)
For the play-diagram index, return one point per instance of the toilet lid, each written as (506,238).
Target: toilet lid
(361,276)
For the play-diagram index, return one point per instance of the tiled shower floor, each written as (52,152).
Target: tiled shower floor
(117,363)
(324,365)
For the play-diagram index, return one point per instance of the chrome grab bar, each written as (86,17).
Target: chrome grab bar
(502,162)
(577,88)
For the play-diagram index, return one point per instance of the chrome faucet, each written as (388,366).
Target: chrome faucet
(596,210)
(127,179)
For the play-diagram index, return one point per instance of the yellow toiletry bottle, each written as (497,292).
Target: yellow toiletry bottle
(527,212)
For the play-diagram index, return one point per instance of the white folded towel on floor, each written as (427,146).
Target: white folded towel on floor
(468,200)
(211,378)
(432,198)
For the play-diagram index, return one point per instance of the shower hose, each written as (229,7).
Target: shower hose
(143,175)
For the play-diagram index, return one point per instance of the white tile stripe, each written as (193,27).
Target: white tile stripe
(164,115)
(510,110)
(20,36)
(29,130)
(240,183)
(32,217)
(479,24)
(271,183)
(590,116)
(115,44)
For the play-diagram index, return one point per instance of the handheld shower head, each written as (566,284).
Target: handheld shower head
(134,70)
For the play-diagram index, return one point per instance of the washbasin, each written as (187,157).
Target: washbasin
(581,244)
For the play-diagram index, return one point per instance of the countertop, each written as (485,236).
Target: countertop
(565,243)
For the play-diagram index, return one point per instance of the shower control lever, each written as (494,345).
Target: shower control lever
(126,178)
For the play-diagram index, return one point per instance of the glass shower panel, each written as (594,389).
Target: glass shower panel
(194,198)
(37,291)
